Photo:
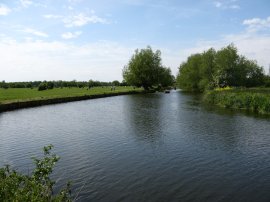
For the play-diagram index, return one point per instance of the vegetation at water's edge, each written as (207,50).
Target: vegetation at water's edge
(12,95)
(38,186)
(254,99)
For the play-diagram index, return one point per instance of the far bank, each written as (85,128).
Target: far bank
(18,98)
(251,99)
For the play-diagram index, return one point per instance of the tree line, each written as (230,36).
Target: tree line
(221,68)
(201,71)
(44,85)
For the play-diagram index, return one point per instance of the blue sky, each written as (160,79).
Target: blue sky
(83,39)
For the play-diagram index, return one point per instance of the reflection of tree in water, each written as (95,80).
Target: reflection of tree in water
(144,116)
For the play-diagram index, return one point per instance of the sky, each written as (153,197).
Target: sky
(95,39)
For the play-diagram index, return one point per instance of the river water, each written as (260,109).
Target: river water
(154,147)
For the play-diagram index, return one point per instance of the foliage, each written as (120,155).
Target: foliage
(42,86)
(212,69)
(267,81)
(116,83)
(145,69)
(256,100)
(57,84)
(50,85)
(38,186)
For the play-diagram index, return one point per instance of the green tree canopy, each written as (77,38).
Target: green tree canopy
(218,68)
(145,69)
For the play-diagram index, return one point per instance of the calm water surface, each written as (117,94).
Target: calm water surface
(156,147)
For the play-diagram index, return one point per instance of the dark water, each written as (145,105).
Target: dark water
(156,147)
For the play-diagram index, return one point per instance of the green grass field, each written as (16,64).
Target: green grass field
(25,94)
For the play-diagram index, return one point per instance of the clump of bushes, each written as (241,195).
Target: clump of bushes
(38,186)
(241,99)
(45,86)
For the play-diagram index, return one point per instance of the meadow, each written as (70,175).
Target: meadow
(12,95)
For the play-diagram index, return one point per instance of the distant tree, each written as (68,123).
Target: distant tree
(166,77)
(123,83)
(116,83)
(28,85)
(50,85)
(4,85)
(42,86)
(144,68)
(91,83)
(266,81)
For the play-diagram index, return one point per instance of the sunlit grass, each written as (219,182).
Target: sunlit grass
(25,94)
(252,99)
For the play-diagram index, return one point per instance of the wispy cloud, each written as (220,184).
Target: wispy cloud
(256,24)
(82,19)
(51,16)
(4,10)
(78,20)
(70,35)
(37,60)
(26,3)
(226,4)
(218,4)
(252,45)
(34,32)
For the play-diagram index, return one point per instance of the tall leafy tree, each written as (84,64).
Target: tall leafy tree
(218,68)
(145,69)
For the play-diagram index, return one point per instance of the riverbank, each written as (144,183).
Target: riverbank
(254,99)
(11,99)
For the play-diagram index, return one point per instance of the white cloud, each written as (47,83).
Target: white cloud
(256,24)
(70,35)
(218,4)
(41,60)
(4,10)
(35,32)
(75,1)
(81,20)
(78,20)
(234,6)
(26,3)
(226,4)
(51,16)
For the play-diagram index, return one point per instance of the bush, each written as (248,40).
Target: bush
(251,100)
(42,86)
(50,85)
(15,186)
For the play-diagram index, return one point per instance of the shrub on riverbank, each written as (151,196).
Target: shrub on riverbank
(256,100)
(15,186)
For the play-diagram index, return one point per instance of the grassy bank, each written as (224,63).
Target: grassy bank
(15,98)
(253,99)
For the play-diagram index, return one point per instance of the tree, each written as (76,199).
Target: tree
(42,86)
(216,69)
(116,83)
(189,73)
(50,85)
(166,77)
(144,68)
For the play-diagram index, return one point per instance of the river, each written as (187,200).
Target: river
(154,147)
